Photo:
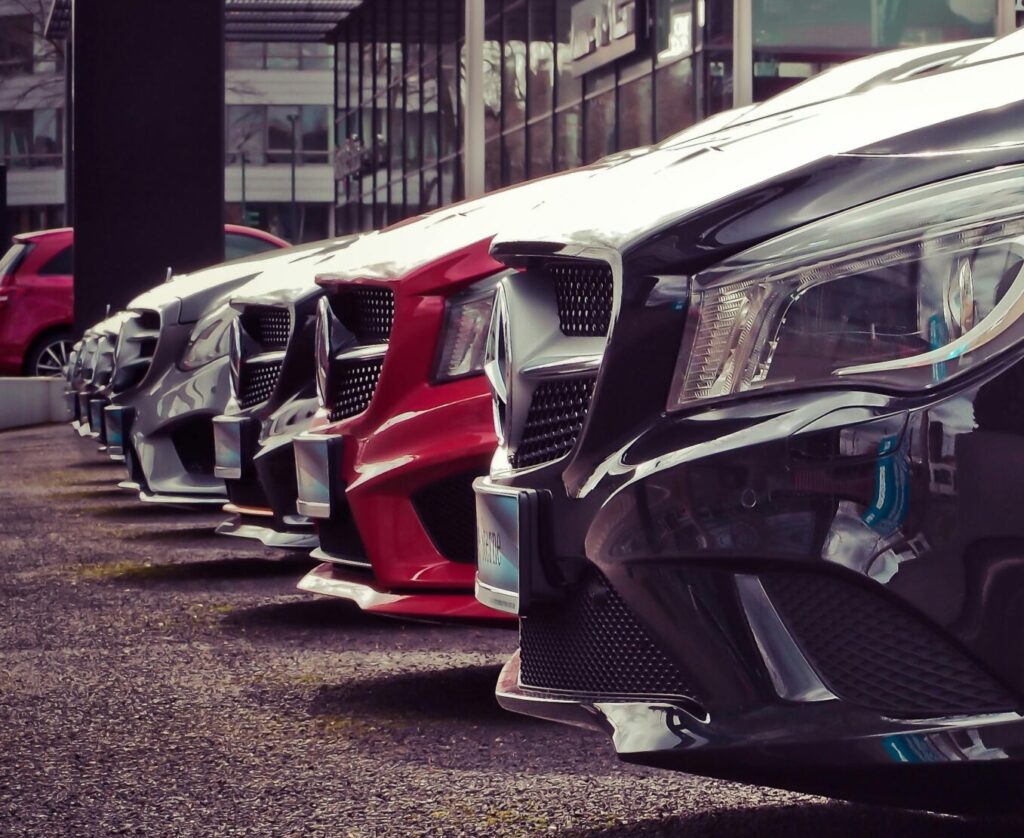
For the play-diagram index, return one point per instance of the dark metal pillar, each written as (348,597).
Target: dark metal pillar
(69,133)
(148,162)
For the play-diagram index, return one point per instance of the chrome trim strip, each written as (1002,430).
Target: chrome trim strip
(553,367)
(362,353)
(266,357)
(790,673)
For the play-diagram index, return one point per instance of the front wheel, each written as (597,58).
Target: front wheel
(49,356)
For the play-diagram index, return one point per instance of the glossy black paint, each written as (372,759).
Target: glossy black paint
(675,510)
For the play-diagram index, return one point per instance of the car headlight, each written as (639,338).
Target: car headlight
(467,319)
(904,293)
(210,339)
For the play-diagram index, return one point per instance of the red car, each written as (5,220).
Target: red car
(37,302)
(406,423)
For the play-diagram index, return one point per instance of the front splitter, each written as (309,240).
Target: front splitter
(268,536)
(330,580)
(186,501)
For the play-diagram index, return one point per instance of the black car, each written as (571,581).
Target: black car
(757,500)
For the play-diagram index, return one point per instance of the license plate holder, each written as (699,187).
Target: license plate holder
(317,461)
(230,442)
(506,543)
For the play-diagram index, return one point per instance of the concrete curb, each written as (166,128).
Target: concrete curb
(31,401)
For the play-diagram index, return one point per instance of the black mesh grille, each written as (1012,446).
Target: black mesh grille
(257,382)
(269,326)
(554,420)
(592,644)
(366,311)
(352,386)
(873,653)
(585,293)
(447,510)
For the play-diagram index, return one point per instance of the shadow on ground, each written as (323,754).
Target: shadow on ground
(231,568)
(306,615)
(96,465)
(137,510)
(835,820)
(174,534)
(94,494)
(463,695)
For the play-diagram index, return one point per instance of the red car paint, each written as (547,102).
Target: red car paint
(414,433)
(37,290)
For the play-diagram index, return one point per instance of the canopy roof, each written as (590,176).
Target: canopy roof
(249,20)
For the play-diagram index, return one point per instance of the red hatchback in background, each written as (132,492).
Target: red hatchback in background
(37,295)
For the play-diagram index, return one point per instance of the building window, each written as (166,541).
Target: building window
(264,133)
(17,39)
(248,55)
(32,138)
(399,90)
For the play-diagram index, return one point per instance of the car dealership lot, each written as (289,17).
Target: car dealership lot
(155,679)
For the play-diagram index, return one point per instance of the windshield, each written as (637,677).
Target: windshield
(1012,44)
(10,260)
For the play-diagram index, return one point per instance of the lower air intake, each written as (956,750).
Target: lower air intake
(874,653)
(447,510)
(593,645)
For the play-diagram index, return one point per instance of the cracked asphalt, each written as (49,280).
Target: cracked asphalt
(156,679)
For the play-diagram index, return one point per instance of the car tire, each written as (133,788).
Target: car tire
(49,354)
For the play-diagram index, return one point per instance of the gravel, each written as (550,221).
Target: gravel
(156,679)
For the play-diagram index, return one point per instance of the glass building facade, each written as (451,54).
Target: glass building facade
(566,82)
(399,124)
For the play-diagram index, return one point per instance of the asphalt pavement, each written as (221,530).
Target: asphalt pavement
(156,679)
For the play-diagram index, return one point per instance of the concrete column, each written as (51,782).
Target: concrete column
(473,107)
(1006,16)
(742,53)
(148,161)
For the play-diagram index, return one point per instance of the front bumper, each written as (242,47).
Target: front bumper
(259,472)
(829,748)
(396,502)
(828,579)
(359,587)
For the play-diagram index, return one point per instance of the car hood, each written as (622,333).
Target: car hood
(198,291)
(621,204)
(294,279)
(397,251)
